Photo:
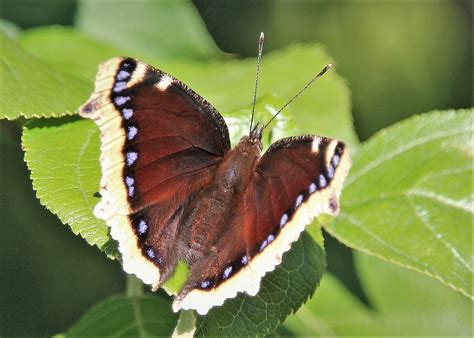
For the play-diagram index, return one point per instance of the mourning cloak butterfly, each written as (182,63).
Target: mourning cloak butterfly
(173,189)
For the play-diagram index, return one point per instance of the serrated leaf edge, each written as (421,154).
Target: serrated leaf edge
(89,240)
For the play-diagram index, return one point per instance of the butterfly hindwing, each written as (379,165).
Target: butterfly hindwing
(297,179)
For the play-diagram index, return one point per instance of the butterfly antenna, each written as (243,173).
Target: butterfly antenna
(259,59)
(321,73)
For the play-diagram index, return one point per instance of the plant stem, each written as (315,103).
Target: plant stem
(134,286)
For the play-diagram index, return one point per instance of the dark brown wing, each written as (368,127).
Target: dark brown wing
(297,179)
(161,143)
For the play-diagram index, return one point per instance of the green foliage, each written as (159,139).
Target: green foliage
(61,47)
(127,316)
(30,88)
(63,159)
(402,303)
(48,278)
(408,198)
(400,57)
(282,292)
(163,29)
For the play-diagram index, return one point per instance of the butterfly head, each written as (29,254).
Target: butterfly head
(256,133)
(252,143)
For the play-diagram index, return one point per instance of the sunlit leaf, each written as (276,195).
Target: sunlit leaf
(408,198)
(68,50)
(323,109)
(164,29)
(62,156)
(31,88)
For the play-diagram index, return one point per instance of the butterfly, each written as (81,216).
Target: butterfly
(174,190)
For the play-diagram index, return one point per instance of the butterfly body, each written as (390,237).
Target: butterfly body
(173,189)
(213,211)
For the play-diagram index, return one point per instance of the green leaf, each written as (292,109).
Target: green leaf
(171,29)
(60,47)
(186,324)
(127,316)
(402,303)
(238,121)
(30,88)
(281,293)
(424,305)
(177,280)
(62,156)
(408,198)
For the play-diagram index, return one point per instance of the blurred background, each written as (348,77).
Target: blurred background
(399,58)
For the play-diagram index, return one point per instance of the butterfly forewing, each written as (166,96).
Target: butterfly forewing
(160,143)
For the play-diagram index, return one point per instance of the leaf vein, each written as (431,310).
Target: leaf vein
(400,150)
(437,237)
(462,205)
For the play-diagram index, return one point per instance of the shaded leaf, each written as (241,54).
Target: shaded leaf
(403,303)
(127,316)
(48,276)
(281,293)
(30,88)
(408,198)
(186,324)
(164,29)
(326,313)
